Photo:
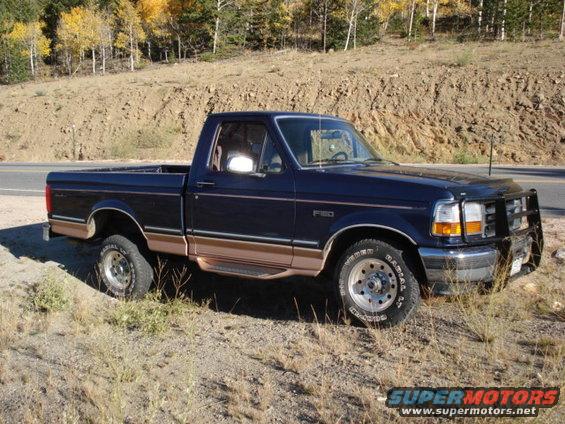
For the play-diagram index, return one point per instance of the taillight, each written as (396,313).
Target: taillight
(48,200)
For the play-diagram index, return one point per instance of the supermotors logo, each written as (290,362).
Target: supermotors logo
(471,401)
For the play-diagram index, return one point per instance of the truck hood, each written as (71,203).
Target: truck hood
(458,183)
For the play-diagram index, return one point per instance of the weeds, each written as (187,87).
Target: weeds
(243,402)
(465,58)
(464,157)
(8,325)
(152,314)
(50,296)
(546,346)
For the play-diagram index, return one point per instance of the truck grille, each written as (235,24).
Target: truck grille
(513,207)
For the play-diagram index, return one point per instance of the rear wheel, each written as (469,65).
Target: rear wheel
(125,271)
(375,283)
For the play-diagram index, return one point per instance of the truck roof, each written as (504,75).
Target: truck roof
(271,114)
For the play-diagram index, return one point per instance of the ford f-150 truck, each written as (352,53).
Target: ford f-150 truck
(275,194)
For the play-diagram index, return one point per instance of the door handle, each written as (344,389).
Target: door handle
(201,184)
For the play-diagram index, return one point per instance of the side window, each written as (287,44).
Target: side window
(248,139)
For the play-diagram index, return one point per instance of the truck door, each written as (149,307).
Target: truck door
(244,217)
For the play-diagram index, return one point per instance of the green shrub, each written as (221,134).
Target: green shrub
(50,296)
(152,314)
(464,157)
(463,59)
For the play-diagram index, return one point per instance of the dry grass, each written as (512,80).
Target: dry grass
(156,360)
(9,318)
(245,402)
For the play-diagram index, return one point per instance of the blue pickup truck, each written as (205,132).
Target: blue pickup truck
(275,194)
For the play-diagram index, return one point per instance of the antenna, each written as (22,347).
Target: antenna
(490,156)
(320,140)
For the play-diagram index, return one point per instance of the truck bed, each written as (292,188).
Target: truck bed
(152,195)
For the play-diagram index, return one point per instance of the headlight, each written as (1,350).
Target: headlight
(447,221)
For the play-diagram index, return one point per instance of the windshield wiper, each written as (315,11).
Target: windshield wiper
(378,160)
(328,161)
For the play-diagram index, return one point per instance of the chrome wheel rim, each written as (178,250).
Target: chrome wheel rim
(117,270)
(372,285)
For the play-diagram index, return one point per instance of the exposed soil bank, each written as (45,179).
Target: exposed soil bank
(434,102)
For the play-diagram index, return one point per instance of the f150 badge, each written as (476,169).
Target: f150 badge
(323,214)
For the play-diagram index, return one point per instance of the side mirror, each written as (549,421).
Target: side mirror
(240,165)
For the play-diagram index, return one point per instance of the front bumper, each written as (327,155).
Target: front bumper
(508,253)
(452,271)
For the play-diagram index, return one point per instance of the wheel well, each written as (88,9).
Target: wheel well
(353,235)
(107,222)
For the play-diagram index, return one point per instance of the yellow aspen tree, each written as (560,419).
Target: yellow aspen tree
(154,18)
(93,22)
(106,36)
(130,30)
(385,10)
(73,35)
(35,44)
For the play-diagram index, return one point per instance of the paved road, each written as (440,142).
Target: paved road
(29,179)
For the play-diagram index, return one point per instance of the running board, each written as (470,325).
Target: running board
(242,270)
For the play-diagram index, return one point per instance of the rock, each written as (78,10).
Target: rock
(538,99)
(559,255)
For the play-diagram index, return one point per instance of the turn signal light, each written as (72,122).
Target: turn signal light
(473,227)
(446,229)
(447,219)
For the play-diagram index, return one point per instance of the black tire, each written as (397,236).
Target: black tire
(140,270)
(394,294)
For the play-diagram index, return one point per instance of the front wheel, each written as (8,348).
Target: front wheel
(375,284)
(125,271)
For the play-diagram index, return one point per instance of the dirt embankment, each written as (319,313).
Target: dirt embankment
(434,102)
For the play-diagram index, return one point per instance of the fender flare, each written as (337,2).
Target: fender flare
(374,219)
(112,205)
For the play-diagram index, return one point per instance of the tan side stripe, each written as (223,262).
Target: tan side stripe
(165,243)
(311,259)
(262,253)
(72,229)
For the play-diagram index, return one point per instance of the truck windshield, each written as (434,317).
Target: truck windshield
(325,141)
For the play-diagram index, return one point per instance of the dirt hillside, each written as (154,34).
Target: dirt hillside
(434,102)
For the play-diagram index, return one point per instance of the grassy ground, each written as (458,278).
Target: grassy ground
(202,348)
